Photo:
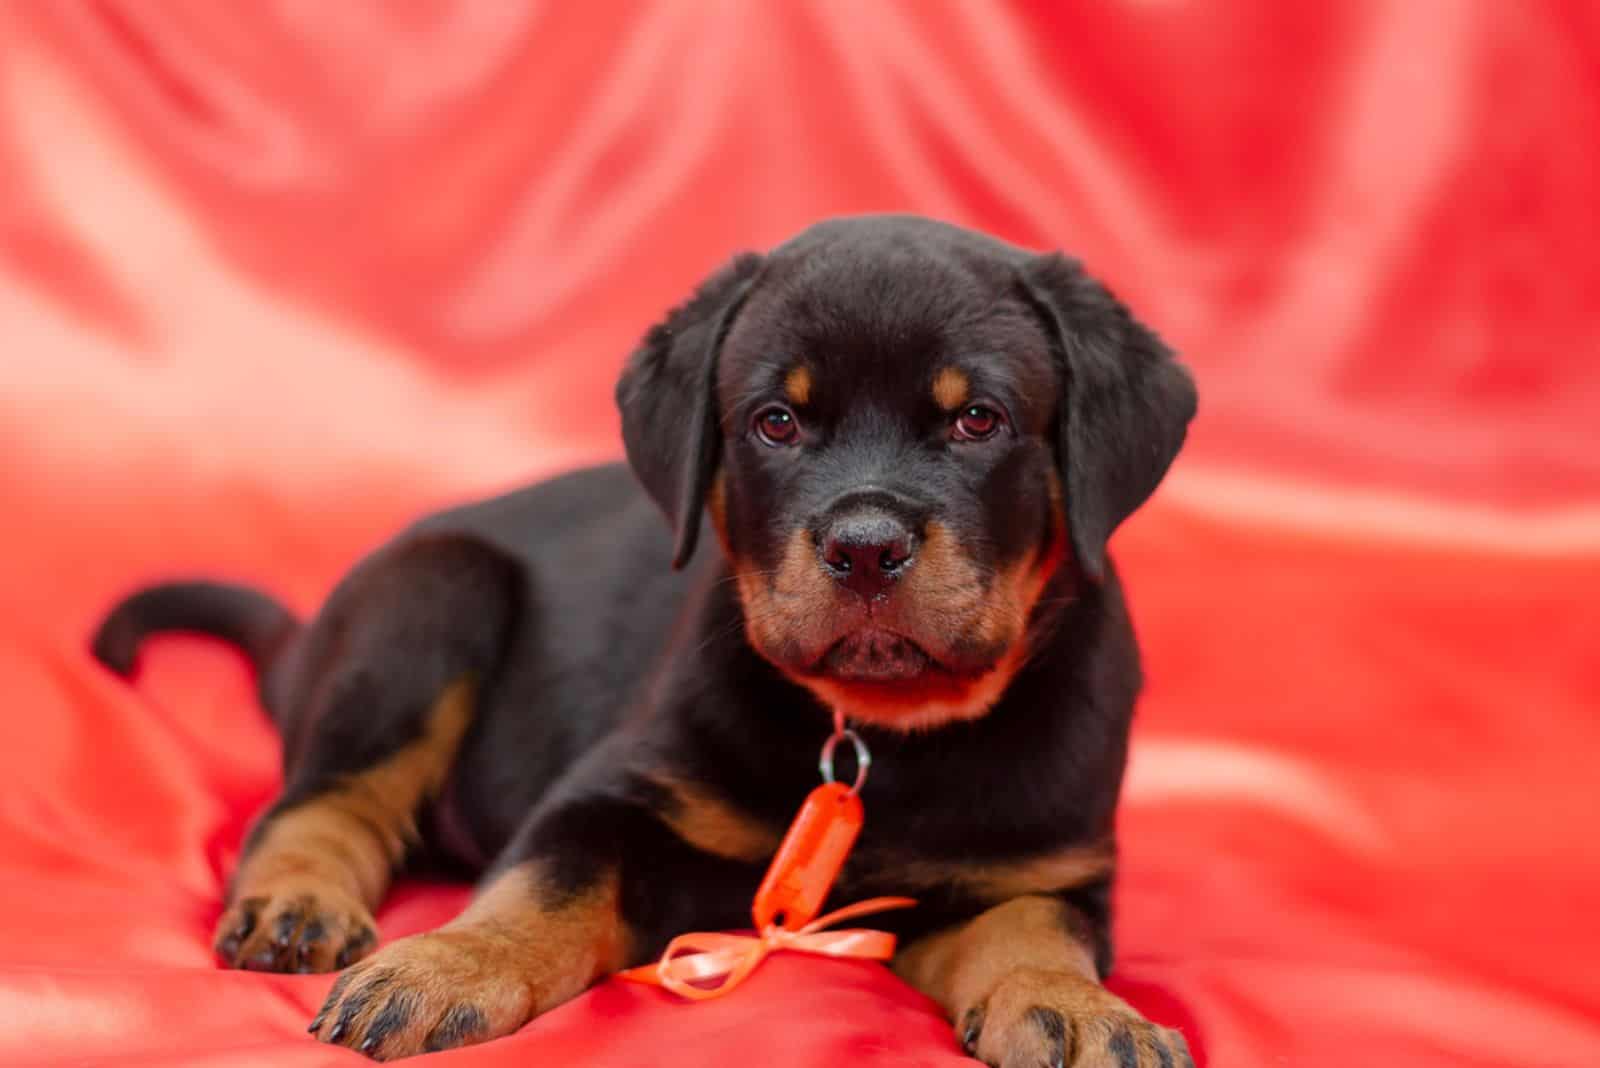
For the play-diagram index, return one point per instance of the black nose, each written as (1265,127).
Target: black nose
(868,551)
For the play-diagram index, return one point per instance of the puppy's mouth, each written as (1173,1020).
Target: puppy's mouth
(873,654)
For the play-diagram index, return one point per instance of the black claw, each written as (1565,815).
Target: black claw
(971,1028)
(284,930)
(395,1014)
(1122,1048)
(355,1003)
(265,960)
(368,1044)
(229,946)
(355,946)
(335,992)
(247,919)
(460,1025)
(1054,1028)
(316,1023)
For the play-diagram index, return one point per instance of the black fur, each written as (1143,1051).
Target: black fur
(603,669)
(257,623)
(1128,403)
(670,423)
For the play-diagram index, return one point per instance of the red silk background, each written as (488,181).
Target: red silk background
(276,277)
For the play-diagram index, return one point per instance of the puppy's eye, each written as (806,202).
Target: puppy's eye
(777,426)
(977,422)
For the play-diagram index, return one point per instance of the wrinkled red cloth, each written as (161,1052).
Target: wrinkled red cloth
(276,277)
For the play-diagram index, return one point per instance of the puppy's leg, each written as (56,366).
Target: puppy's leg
(542,928)
(392,671)
(1021,985)
(321,860)
(526,944)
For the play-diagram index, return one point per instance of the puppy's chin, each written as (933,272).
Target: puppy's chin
(886,679)
(900,696)
(876,656)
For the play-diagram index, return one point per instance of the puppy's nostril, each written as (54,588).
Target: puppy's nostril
(868,554)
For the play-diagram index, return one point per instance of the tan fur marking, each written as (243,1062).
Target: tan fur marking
(352,836)
(558,943)
(997,881)
(713,825)
(797,385)
(1016,589)
(325,864)
(962,964)
(994,974)
(943,571)
(773,606)
(717,508)
(951,388)
(520,949)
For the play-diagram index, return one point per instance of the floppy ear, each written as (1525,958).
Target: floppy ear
(668,399)
(1124,408)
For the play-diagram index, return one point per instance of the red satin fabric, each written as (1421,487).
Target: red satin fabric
(275,277)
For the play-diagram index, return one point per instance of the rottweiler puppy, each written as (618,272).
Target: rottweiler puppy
(911,443)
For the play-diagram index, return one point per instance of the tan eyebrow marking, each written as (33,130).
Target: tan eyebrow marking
(797,385)
(950,387)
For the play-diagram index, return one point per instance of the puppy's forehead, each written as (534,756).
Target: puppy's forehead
(882,306)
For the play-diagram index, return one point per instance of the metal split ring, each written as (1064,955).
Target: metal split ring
(863,757)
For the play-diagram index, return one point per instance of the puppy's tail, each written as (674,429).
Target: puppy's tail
(250,619)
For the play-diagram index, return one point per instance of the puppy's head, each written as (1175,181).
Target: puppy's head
(902,431)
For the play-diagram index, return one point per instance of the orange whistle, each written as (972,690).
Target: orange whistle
(808,861)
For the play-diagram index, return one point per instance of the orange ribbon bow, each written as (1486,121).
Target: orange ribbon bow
(802,874)
(692,961)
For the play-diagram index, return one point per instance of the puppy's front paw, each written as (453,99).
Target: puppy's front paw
(294,927)
(1040,1019)
(425,993)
